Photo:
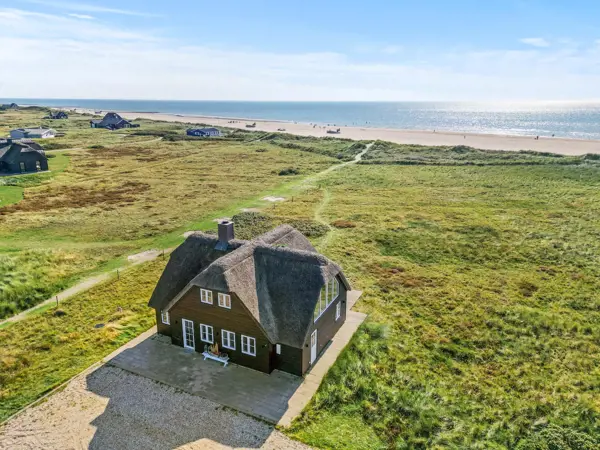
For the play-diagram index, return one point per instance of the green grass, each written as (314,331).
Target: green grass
(484,301)
(10,195)
(44,350)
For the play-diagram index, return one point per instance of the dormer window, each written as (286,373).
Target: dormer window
(329,293)
(206,296)
(224,301)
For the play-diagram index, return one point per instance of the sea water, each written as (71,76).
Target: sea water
(562,119)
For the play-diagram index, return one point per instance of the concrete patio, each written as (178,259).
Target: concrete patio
(276,398)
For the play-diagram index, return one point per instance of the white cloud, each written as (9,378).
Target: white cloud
(90,59)
(536,42)
(81,16)
(391,49)
(82,7)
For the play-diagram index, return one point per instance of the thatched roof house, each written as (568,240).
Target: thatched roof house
(112,121)
(281,298)
(21,156)
(57,115)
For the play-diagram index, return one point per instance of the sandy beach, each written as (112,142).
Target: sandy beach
(483,141)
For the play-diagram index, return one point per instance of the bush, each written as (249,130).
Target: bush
(558,438)
(250,224)
(289,171)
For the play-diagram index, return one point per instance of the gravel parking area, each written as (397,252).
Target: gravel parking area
(110,408)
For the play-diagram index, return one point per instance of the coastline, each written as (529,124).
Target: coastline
(563,146)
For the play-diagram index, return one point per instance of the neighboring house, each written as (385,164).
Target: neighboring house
(203,132)
(112,121)
(57,115)
(21,156)
(9,106)
(32,133)
(269,303)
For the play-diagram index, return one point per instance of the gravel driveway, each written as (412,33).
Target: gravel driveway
(110,408)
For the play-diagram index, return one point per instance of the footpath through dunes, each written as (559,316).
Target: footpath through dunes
(562,146)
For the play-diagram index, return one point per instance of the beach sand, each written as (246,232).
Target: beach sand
(482,141)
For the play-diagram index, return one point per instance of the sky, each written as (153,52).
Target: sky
(327,50)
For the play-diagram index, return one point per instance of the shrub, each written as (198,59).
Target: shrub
(558,438)
(250,224)
(289,171)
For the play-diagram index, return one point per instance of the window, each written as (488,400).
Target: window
(338,310)
(206,296)
(38,166)
(206,333)
(164,316)
(248,345)
(329,293)
(228,339)
(278,349)
(225,301)
(22,166)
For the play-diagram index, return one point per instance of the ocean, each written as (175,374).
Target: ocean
(570,120)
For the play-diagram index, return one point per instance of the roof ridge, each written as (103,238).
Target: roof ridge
(298,254)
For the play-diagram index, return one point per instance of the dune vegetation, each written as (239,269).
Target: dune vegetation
(479,272)
(110,194)
(482,288)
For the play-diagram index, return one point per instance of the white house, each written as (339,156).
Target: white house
(32,133)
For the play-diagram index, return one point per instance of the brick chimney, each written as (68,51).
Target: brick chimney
(226,234)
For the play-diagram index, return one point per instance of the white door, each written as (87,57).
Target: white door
(188,333)
(313,346)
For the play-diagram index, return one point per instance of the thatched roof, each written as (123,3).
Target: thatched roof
(278,276)
(10,150)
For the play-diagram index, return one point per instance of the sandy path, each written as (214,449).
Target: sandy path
(484,141)
(109,408)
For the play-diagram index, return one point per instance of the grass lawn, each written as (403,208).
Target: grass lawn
(10,194)
(484,301)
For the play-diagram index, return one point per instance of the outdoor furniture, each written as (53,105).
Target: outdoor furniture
(221,357)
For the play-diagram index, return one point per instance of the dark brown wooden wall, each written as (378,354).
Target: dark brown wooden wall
(290,360)
(240,321)
(161,327)
(236,319)
(326,326)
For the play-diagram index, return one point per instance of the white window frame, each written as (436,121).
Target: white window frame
(329,293)
(230,339)
(204,329)
(246,347)
(206,296)
(165,318)
(338,310)
(224,301)
(278,349)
